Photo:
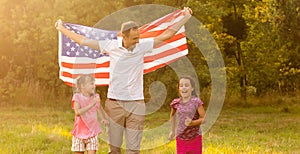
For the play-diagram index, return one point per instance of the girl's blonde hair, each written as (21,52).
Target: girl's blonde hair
(81,80)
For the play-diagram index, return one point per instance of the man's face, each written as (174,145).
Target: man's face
(132,39)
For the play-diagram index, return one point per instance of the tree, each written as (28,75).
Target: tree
(271,46)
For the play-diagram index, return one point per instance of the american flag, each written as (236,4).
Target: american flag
(75,60)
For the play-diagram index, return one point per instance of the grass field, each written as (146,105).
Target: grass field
(44,128)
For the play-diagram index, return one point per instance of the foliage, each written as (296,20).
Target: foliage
(259,41)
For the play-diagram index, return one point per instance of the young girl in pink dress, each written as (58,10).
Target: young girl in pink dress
(190,114)
(86,128)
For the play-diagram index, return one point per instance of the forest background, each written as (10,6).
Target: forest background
(258,39)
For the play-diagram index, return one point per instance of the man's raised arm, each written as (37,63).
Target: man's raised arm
(79,39)
(169,33)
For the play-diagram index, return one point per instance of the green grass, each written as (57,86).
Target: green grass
(254,130)
(45,128)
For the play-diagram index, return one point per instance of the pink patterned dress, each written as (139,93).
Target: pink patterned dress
(188,138)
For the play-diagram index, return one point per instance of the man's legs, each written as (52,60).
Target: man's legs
(116,119)
(134,126)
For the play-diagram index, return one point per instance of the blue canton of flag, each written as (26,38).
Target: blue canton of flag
(72,49)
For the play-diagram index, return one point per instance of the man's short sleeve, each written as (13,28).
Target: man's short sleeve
(146,44)
(106,46)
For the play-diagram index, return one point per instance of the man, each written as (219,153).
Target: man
(125,99)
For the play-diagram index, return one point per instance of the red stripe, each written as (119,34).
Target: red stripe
(174,38)
(84,66)
(106,64)
(153,33)
(145,71)
(167,18)
(165,53)
(73,85)
(96,75)
(69,84)
(159,66)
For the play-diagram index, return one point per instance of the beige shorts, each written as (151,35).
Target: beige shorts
(84,144)
(125,117)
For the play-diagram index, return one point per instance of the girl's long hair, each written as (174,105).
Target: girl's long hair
(193,84)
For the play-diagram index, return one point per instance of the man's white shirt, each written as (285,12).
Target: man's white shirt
(126,68)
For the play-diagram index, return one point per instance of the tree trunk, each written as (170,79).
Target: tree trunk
(243,90)
(240,60)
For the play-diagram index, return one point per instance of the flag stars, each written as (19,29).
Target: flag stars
(75,50)
(93,33)
(112,35)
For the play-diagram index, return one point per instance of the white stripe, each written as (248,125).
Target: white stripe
(181,30)
(59,47)
(165,59)
(168,46)
(106,69)
(85,71)
(165,25)
(83,60)
(146,65)
(159,19)
(155,22)
(97,80)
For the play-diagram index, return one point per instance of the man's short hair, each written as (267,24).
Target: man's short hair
(127,26)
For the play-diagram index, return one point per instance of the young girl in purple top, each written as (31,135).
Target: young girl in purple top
(190,114)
